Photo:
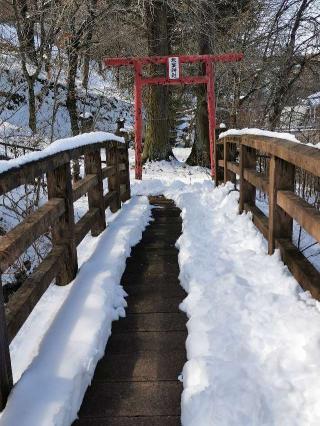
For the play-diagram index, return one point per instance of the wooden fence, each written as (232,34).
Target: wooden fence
(237,155)
(56,216)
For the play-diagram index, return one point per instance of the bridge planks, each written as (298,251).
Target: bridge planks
(136,383)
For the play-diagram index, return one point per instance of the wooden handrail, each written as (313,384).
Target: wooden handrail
(16,241)
(26,173)
(277,182)
(56,216)
(305,214)
(300,155)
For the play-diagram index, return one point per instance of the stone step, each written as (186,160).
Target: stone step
(140,366)
(166,220)
(146,289)
(133,399)
(158,243)
(152,258)
(130,278)
(145,251)
(142,341)
(155,200)
(153,302)
(166,212)
(131,421)
(158,236)
(153,268)
(171,226)
(150,322)
(172,229)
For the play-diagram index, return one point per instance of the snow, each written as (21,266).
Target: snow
(253,352)
(253,335)
(103,99)
(59,145)
(56,351)
(314,99)
(259,132)
(86,115)
(8,34)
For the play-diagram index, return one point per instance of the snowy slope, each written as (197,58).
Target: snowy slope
(102,99)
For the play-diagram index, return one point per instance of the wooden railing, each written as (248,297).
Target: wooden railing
(237,155)
(56,216)
(16,149)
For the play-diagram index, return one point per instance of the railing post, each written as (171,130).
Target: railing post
(125,174)
(281,177)
(247,191)
(218,155)
(112,156)
(92,164)
(227,156)
(6,382)
(60,186)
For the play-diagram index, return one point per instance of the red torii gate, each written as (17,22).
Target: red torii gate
(174,76)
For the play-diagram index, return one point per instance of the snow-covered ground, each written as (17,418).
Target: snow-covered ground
(253,335)
(103,99)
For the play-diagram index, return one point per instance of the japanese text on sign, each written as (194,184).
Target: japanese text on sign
(174,68)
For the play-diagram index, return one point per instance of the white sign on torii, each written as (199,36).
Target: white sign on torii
(173,63)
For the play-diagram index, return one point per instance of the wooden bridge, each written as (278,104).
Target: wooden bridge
(136,383)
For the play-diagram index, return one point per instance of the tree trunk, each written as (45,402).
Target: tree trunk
(32,105)
(71,102)
(285,79)
(86,59)
(27,23)
(156,145)
(85,71)
(200,153)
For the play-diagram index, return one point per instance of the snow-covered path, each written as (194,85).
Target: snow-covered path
(56,351)
(253,342)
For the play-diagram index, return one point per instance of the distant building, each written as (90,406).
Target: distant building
(304,115)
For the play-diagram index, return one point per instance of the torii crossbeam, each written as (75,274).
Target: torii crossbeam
(173,76)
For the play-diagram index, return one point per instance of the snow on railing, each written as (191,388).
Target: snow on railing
(60,146)
(269,161)
(266,133)
(258,132)
(57,216)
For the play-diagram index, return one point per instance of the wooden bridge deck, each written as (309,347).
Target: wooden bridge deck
(136,383)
